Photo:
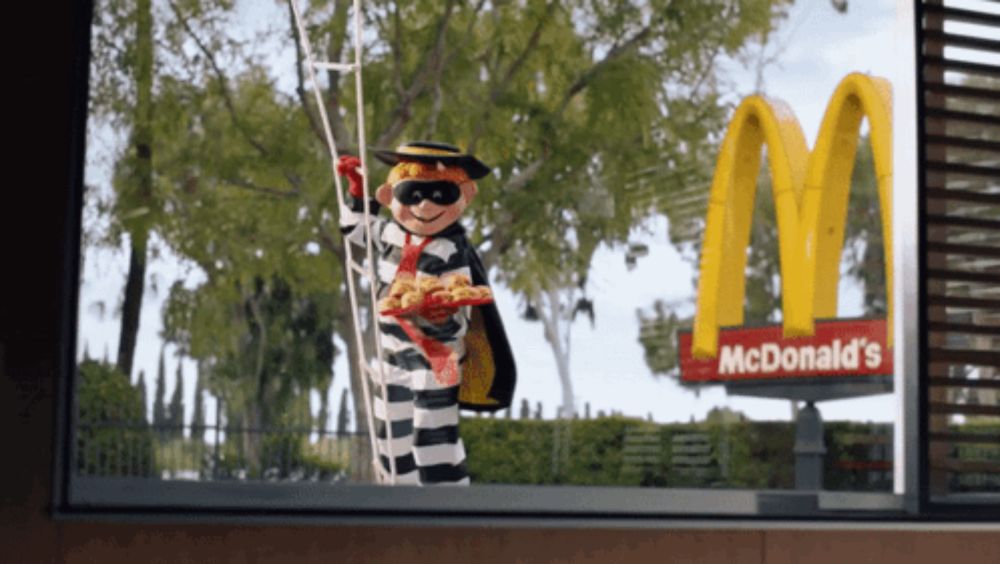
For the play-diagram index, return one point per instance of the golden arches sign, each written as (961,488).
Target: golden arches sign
(810,199)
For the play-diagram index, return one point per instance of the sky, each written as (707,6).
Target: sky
(818,47)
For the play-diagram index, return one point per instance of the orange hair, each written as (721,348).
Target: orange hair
(426,171)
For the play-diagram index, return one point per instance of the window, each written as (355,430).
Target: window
(646,226)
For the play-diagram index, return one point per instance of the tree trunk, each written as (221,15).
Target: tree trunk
(142,145)
(132,304)
(558,337)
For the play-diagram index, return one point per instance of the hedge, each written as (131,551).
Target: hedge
(750,454)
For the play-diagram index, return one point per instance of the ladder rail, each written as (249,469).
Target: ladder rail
(363,369)
(369,247)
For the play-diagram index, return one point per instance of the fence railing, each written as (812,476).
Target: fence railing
(221,452)
(613,451)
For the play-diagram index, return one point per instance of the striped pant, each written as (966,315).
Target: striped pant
(423,418)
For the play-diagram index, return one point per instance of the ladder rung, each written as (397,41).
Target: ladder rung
(343,67)
(359,269)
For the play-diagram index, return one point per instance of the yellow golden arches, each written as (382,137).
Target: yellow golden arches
(810,199)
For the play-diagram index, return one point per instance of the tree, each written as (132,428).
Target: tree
(585,124)
(198,415)
(160,419)
(343,415)
(123,64)
(140,386)
(175,412)
(113,436)
(260,350)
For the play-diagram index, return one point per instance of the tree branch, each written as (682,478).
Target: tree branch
(500,86)
(501,232)
(267,190)
(335,51)
(222,80)
(431,61)
(300,89)
(612,55)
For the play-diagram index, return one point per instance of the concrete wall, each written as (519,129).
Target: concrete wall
(35,274)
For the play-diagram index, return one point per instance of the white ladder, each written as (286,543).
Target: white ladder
(364,368)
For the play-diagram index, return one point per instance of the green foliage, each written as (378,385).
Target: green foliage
(175,411)
(198,416)
(744,454)
(160,418)
(657,335)
(984,451)
(343,415)
(113,438)
(260,353)
(280,453)
(594,115)
(141,387)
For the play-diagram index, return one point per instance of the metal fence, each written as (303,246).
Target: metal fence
(221,452)
(615,451)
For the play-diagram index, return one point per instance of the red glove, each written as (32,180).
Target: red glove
(348,165)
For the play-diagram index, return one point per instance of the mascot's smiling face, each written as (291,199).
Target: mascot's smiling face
(426,198)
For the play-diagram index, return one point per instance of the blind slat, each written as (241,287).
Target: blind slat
(964,409)
(954,437)
(963,196)
(961,91)
(940,219)
(966,41)
(965,357)
(964,302)
(963,142)
(965,250)
(948,382)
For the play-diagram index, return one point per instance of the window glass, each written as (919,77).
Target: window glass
(691,298)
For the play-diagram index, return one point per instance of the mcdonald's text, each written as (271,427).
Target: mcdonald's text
(838,348)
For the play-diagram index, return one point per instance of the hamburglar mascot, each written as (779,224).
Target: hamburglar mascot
(440,353)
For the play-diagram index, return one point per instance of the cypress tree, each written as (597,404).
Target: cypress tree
(198,417)
(175,413)
(159,404)
(525,409)
(323,417)
(344,416)
(141,386)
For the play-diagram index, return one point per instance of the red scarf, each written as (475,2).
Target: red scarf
(443,360)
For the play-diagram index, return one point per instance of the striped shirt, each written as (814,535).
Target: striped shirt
(447,253)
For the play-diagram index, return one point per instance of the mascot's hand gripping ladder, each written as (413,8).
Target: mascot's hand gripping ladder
(365,369)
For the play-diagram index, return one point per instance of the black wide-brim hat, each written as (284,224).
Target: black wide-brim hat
(431,152)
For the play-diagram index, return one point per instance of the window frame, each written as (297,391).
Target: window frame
(88,498)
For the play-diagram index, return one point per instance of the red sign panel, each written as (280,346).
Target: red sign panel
(838,348)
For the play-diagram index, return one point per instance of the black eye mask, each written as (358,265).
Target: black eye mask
(412,192)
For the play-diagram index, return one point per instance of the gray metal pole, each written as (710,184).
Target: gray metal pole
(809,449)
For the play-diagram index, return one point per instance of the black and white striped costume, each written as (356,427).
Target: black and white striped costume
(423,414)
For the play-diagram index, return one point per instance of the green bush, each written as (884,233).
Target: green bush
(743,454)
(113,438)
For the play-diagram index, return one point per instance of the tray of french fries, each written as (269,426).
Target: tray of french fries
(409,294)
